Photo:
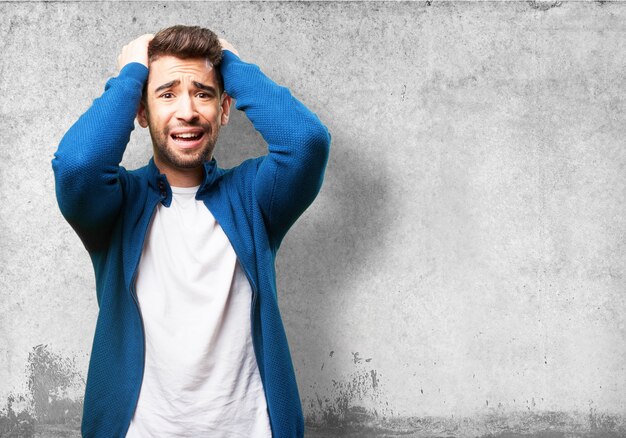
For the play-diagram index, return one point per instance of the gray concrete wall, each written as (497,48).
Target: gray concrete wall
(462,271)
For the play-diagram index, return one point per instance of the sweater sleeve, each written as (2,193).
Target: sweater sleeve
(86,163)
(290,176)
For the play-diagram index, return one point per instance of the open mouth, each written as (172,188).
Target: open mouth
(187,139)
(188,136)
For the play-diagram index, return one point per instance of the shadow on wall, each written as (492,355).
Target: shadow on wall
(341,240)
(344,233)
(348,235)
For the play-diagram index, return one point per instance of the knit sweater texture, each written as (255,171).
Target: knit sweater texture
(256,202)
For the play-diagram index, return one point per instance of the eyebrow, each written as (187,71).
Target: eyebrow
(170,84)
(176,82)
(204,87)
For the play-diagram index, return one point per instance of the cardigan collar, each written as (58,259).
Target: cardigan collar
(158,181)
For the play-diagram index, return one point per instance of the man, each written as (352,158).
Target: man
(189,340)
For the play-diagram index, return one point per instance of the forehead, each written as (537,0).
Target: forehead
(168,68)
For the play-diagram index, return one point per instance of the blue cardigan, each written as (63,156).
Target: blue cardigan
(255,203)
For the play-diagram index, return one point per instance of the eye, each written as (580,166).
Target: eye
(166,95)
(203,95)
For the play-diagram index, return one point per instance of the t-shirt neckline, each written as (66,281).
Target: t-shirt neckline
(184,190)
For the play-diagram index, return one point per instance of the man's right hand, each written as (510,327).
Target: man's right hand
(135,51)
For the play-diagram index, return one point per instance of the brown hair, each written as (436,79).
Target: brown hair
(188,42)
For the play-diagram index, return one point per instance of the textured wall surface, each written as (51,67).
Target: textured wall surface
(462,272)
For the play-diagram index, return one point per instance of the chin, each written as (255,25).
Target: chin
(187,161)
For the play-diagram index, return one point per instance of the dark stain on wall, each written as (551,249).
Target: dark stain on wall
(510,425)
(50,378)
(544,5)
(16,424)
(340,405)
(46,410)
(357,407)
(345,403)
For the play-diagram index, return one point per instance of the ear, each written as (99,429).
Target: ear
(142,117)
(226,102)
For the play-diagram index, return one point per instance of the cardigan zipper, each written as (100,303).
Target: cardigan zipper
(133,293)
(255,295)
(252,307)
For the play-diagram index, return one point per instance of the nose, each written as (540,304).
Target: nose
(186,109)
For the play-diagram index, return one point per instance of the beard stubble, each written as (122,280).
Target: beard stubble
(181,159)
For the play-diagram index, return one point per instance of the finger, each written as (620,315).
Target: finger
(146,38)
(228,46)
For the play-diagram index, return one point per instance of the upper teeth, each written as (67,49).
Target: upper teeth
(187,135)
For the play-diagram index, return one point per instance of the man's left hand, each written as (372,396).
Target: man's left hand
(228,46)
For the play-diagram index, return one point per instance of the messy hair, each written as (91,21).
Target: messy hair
(187,42)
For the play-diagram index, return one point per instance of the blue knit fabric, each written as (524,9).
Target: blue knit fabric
(255,203)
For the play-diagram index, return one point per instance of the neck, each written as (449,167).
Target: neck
(180,177)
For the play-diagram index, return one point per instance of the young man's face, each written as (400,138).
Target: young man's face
(184,110)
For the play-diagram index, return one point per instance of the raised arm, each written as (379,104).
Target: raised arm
(86,163)
(290,176)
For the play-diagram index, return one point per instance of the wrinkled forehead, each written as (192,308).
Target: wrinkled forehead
(168,68)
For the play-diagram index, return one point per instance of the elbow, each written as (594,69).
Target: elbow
(318,140)
(322,137)
(317,154)
(76,167)
(70,160)
(68,179)
(76,177)
(70,173)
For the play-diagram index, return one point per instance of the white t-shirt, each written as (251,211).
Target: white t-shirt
(201,377)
